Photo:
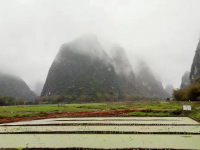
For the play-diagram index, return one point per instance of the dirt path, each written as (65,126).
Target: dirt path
(72,114)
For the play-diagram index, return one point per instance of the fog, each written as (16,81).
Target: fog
(163,33)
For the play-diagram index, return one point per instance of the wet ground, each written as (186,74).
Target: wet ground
(55,114)
(102,133)
(67,114)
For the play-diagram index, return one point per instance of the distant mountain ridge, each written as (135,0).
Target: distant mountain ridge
(148,84)
(185,82)
(195,69)
(169,89)
(123,68)
(14,86)
(83,67)
(38,88)
(190,85)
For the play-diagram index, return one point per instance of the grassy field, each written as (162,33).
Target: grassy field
(151,109)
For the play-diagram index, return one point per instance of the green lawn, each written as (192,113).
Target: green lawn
(33,110)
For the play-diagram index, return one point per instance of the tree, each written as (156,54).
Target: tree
(191,93)
(2,100)
(20,102)
(179,95)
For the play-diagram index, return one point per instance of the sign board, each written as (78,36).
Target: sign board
(187,107)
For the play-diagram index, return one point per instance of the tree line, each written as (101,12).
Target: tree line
(9,100)
(191,93)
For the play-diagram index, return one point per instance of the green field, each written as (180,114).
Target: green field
(152,109)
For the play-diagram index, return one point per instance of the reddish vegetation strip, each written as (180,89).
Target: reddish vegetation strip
(72,114)
(65,114)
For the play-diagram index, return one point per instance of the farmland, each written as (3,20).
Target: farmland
(29,112)
(122,125)
(102,133)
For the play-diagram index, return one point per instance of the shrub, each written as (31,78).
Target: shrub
(191,93)
(6,100)
(179,95)
(177,112)
(83,98)
(147,110)
(20,102)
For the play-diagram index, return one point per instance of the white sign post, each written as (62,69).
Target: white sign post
(187,107)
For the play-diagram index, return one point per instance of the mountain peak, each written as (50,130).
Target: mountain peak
(169,89)
(195,68)
(185,80)
(148,84)
(88,45)
(83,64)
(14,86)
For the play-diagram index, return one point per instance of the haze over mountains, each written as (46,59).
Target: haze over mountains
(38,88)
(11,85)
(83,67)
(123,69)
(188,77)
(195,69)
(169,89)
(148,84)
(185,82)
(163,33)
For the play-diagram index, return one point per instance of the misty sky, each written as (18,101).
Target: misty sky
(164,33)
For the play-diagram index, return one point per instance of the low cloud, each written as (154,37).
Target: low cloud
(162,33)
